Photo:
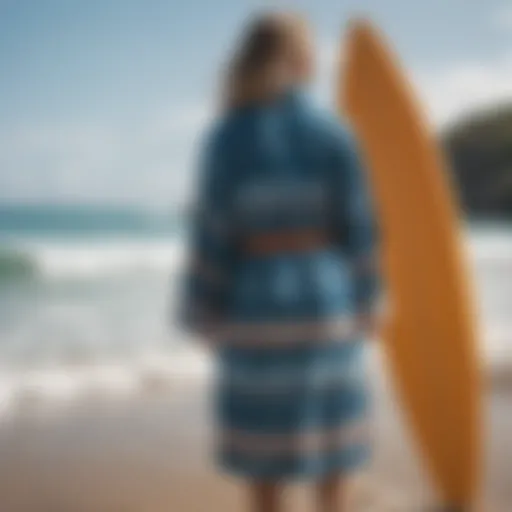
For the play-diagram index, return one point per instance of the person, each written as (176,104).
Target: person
(281,280)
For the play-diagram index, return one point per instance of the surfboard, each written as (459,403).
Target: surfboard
(430,335)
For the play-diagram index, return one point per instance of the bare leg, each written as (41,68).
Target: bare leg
(264,497)
(331,494)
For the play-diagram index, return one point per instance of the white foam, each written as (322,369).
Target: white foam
(95,259)
(489,245)
(49,327)
(64,385)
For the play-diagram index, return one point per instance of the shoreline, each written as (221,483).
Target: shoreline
(67,385)
(151,452)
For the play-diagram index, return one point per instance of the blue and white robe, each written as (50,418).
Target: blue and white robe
(292,394)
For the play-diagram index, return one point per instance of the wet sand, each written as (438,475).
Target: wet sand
(150,453)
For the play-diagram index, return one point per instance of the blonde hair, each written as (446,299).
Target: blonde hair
(270,46)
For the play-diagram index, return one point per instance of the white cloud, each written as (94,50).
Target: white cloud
(452,91)
(327,52)
(176,120)
(148,161)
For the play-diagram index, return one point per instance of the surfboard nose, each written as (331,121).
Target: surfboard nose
(361,32)
(363,43)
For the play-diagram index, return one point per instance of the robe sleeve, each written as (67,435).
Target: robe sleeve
(211,252)
(355,225)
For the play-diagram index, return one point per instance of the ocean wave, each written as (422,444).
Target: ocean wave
(147,375)
(87,260)
(16,265)
(150,375)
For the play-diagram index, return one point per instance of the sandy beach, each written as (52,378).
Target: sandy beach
(150,453)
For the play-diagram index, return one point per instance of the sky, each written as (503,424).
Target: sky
(103,101)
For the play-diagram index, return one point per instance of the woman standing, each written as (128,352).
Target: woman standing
(281,280)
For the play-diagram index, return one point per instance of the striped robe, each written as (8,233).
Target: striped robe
(291,390)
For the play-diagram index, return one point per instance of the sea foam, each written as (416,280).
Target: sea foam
(88,259)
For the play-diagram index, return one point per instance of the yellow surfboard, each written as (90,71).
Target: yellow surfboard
(429,338)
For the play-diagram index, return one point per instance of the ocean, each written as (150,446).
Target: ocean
(87,298)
